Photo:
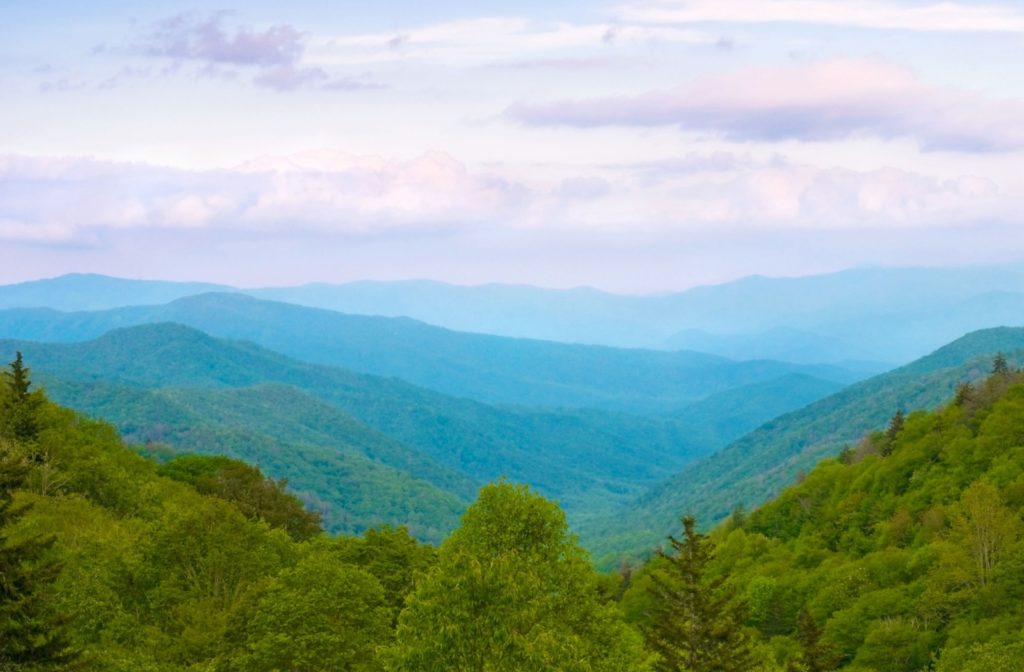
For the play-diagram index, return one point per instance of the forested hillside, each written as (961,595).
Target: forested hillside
(757,466)
(110,563)
(905,553)
(172,384)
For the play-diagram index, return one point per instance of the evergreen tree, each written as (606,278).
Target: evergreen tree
(815,654)
(20,405)
(894,429)
(1000,366)
(964,393)
(30,638)
(697,624)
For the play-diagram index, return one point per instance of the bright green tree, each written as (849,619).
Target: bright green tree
(697,622)
(321,615)
(512,590)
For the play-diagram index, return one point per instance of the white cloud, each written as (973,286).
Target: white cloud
(488,39)
(318,192)
(328,193)
(932,16)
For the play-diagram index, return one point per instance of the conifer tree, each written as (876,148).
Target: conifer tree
(30,638)
(815,654)
(894,429)
(697,624)
(999,365)
(20,404)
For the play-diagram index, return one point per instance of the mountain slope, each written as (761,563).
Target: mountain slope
(486,368)
(905,555)
(354,479)
(753,468)
(585,458)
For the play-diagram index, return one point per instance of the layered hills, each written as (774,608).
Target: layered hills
(758,465)
(491,369)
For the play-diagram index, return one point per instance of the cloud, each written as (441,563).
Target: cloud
(486,40)
(327,193)
(876,14)
(274,53)
(186,37)
(315,192)
(828,100)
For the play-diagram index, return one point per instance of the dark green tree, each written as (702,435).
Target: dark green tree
(697,621)
(31,638)
(999,365)
(20,405)
(964,393)
(256,496)
(892,431)
(815,655)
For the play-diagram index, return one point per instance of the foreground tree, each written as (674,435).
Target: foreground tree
(512,591)
(322,615)
(30,637)
(697,623)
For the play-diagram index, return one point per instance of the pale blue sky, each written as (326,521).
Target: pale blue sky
(641,145)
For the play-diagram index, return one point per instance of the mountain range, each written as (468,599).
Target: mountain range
(891,315)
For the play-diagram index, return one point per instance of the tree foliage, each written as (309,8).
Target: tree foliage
(697,622)
(512,591)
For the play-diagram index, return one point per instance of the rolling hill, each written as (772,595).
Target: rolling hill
(755,467)
(587,459)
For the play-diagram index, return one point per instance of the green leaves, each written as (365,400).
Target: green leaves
(512,591)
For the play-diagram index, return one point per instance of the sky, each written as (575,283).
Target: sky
(635,145)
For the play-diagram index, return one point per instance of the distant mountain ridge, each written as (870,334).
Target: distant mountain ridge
(873,314)
(491,369)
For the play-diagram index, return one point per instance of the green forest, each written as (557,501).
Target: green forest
(904,553)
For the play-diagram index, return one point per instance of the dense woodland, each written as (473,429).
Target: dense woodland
(905,553)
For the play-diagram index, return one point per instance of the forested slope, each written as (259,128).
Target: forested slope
(906,553)
(761,463)
(584,458)
(111,564)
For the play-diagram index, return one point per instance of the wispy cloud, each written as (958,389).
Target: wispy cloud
(486,40)
(828,100)
(274,53)
(877,14)
(188,37)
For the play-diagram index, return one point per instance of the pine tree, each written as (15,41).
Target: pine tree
(1000,366)
(30,638)
(964,393)
(815,654)
(20,404)
(894,429)
(697,623)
